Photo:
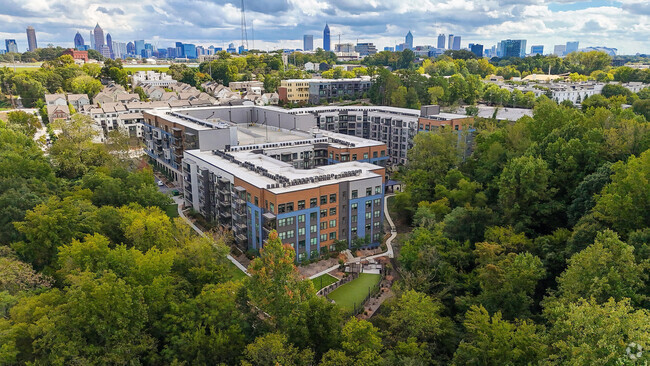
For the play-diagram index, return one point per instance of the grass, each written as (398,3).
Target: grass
(147,68)
(354,292)
(235,273)
(323,281)
(172,210)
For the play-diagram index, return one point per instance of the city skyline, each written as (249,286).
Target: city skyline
(282,24)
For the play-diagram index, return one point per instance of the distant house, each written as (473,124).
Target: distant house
(103,98)
(55,99)
(167,97)
(126,97)
(55,112)
(324,66)
(310,66)
(155,93)
(78,101)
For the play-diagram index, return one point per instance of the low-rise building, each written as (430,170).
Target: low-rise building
(329,89)
(153,78)
(78,101)
(55,112)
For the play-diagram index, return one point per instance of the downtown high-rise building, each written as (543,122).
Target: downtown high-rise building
(11,46)
(441,40)
(92,40)
(450,42)
(537,50)
(31,39)
(78,40)
(119,50)
(408,40)
(307,42)
(139,47)
(571,47)
(559,49)
(512,48)
(455,45)
(130,48)
(476,49)
(326,38)
(98,35)
(109,44)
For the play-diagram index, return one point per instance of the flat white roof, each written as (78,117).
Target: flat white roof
(349,171)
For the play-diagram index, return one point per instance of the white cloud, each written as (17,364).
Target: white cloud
(281,23)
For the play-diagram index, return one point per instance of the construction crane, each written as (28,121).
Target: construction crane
(244,33)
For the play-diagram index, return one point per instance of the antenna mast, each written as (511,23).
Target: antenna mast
(244,34)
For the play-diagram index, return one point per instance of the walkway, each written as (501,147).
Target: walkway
(179,201)
(389,247)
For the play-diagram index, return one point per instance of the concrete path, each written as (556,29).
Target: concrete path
(179,201)
(389,247)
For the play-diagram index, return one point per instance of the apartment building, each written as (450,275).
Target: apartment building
(295,90)
(328,89)
(253,189)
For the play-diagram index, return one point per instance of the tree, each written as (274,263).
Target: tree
(361,346)
(642,107)
(24,122)
(17,276)
(435,93)
(589,333)
(316,325)
(275,285)
(606,269)
(146,228)
(398,97)
(273,349)
(29,90)
(622,203)
(490,340)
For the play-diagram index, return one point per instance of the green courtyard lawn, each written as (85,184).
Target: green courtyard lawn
(323,281)
(235,273)
(354,292)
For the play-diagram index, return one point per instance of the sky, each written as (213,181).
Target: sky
(274,24)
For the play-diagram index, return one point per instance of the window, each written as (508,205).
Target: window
(323,237)
(377,189)
(376,236)
(282,235)
(301,243)
(281,208)
(248,197)
(374,154)
(301,218)
(332,223)
(354,232)
(290,207)
(323,212)
(313,228)
(323,200)
(344,196)
(301,205)
(272,207)
(313,216)
(323,225)
(313,241)
(257,202)
(312,202)
(290,220)
(355,194)
(365,156)
(290,234)
(369,191)
(354,206)
(368,204)
(367,228)
(333,198)
(368,215)
(282,222)
(354,218)
(333,211)
(331,155)
(377,201)
(354,156)
(376,213)
(301,231)
(376,225)
(333,235)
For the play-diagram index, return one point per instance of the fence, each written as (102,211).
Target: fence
(329,288)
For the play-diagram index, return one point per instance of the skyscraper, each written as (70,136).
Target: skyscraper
(450,43)
(456,43)
(78,40)
(512,48)
(571,47)
(92,40)
(11,45)
(98,34)
(180,53)
(130,48)
(409,40)
(326,38)
(476,49)
(31,39)
(537,50)
(139,47)
(308,42)
(109,43)
(441,41)
(559,49)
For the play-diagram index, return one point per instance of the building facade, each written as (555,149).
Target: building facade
(537,50)
(31,39)
(326,38)
(78,40)
(11,45)
(365,49)
(512,48)
(308,42)
(98,36)
(327,90)
(408,40)
(476,49)
(441,41)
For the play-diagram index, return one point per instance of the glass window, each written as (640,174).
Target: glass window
(355,194)
(376,213)
(368,204)
(323,200)
(333,211)
(257,202)
(323,212)
(332,223)
(377,189)
(333,198)
(301,218)
(272,207)
(289,220)
(365,156)
(354,218)
(313,241)
(377,201)
(313,202)
(290,207)
(333,235)
(323,237)
(313,216)
(374,154)
(301,231)
(369,191)
(301,205)
(354,156)
(354,206)
(281,208)
(290,234)
(313,228)
(368,215)
(323,225)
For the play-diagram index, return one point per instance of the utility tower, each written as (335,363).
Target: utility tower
(244,33)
